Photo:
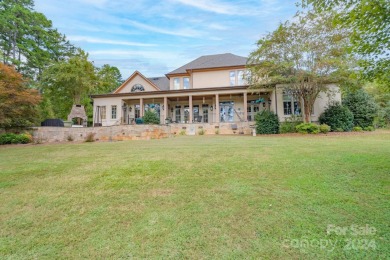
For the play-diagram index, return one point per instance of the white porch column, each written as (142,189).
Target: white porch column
(165,108)
(190,105)
(216,108)
(141,107)
(245,107)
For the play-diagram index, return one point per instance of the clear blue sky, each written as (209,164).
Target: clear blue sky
(156,37)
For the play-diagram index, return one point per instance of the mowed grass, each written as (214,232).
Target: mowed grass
(199,197)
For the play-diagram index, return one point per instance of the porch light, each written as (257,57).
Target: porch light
(211,108)
(163,108)
(130,108)
(269,101)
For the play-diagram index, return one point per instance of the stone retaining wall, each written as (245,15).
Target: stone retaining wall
(135,132)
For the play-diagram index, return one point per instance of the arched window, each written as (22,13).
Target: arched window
(137,88)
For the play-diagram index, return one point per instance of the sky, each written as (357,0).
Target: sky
(156,37)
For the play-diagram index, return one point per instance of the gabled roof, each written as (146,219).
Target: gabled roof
(161,82)
(212,61)
(133,76)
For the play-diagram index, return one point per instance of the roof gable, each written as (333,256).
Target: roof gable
(137,78)
(212,61)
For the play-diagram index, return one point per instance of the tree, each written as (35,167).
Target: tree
(305,56)
(370,37)
(18,104)
(109,78)
(362,106)
(69,82)
(27,39)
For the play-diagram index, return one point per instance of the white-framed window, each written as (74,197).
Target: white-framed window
(176,83)
(240,77)
(186,82)
(113,112)
(290,106)
(232,78)
(103,112)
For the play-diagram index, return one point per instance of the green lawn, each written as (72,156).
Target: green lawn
(198,197)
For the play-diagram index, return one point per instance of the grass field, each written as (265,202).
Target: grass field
(272,197)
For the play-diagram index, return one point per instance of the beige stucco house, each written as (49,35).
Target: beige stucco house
(209,90)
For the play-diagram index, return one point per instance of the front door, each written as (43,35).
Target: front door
(226,112)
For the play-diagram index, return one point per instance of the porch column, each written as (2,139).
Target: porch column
(141,107)
(245,107)
(190,105)
(216,108)
(165,108)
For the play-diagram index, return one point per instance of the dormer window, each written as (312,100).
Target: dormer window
(137,88)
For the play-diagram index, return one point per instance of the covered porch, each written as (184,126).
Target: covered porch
(198,108)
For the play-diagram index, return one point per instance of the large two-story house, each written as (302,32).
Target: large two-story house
(210,89)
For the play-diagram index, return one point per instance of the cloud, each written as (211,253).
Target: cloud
(173,31)
(77,38)
(219,7)
(210,6)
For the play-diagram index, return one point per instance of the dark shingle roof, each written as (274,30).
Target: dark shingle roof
(161,82)
(212,61)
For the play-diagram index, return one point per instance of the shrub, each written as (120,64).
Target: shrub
(324,128)
(357,129)
(182,132)
(337,117)
(267,122)
(201,131)
(90,137)
(369,128)
(151,117)
(69,138)
(217,132)
(10,138)
(362,106)
(339,130)
(308,128)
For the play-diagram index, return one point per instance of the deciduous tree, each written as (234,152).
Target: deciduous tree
(69,82)
(109,79)
(18,103)
(369,21)
(305,55)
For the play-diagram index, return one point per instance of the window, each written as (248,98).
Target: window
(195,112)
(176,83)
(226,112)
(186,82)
(103,112)
(290,106)
(137,88)
(232,78)
(113,112)
(240,77)
(137,111)
(178,114)
(205,113)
